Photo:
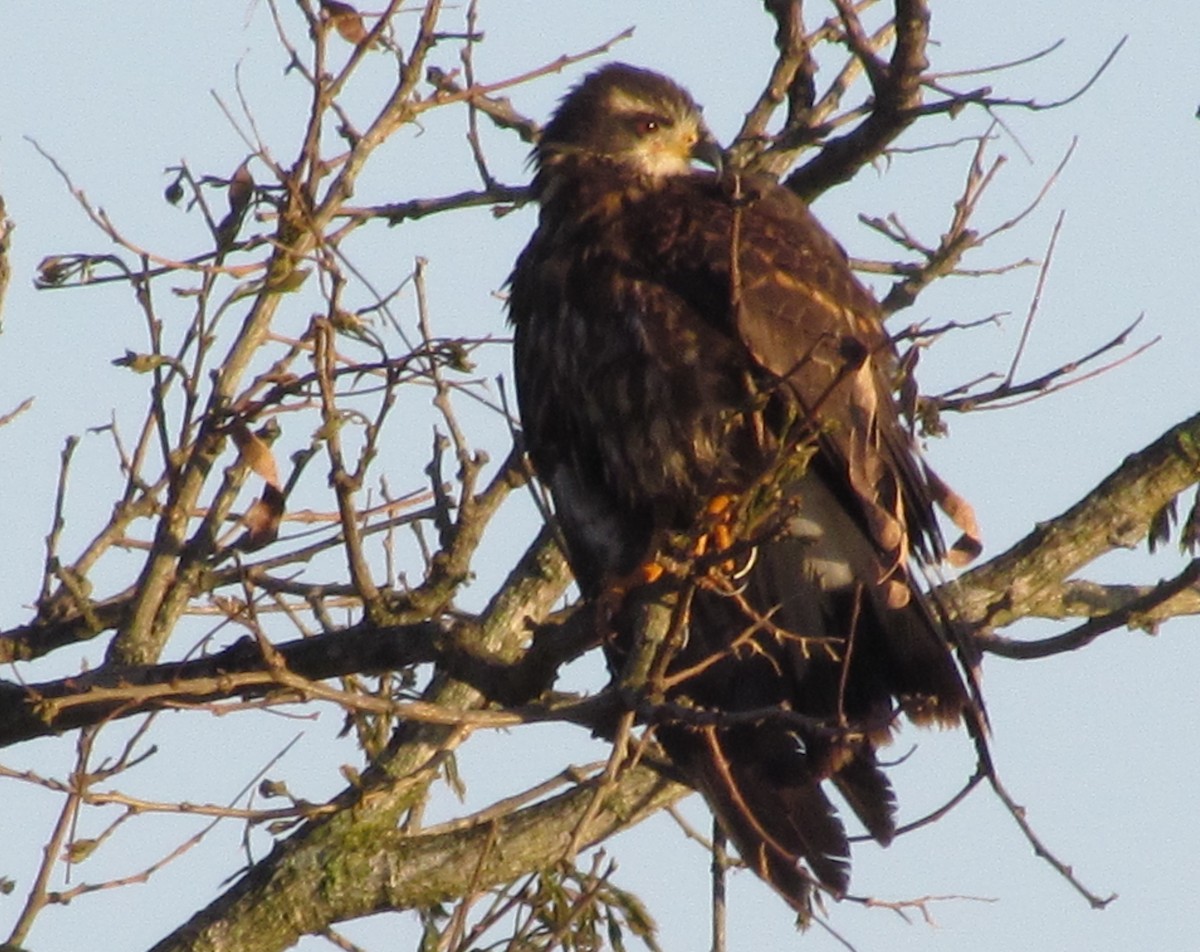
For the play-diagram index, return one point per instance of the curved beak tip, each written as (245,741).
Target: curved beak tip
(708,151)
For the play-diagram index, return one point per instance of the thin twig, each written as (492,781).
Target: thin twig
(1027,326)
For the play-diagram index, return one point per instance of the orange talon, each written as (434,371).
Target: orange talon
(719,536)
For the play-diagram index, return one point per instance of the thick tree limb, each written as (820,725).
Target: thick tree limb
(300,891)
(1033,578)
(366,853)
(316,876)
(1029,578)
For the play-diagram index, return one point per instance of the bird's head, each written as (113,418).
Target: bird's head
(630,117)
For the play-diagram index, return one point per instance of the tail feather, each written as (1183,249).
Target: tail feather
(814,628)
(869,794)
(784,827)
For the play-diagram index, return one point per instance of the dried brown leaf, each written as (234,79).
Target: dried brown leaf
(241,191)
(255,453)
(346,20)
(262,520)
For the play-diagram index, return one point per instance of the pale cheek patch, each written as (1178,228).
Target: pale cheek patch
(656,159)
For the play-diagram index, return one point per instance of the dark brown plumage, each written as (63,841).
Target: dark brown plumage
(683,337)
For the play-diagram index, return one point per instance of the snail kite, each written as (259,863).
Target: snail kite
(700,376)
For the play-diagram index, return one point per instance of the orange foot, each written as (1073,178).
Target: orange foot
(725,574)
(613,596)
(719,536)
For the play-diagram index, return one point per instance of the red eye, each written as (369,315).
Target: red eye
(648,123)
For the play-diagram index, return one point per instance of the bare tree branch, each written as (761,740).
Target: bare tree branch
(1029,578)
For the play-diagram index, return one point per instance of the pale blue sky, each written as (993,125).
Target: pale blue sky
(1100,746)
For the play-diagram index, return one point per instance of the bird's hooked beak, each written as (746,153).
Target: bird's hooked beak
(708,151)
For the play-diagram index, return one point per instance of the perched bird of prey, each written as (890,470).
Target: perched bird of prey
(701,377)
